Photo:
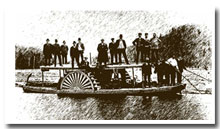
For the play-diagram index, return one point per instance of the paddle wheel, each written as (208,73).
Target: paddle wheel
(78,80)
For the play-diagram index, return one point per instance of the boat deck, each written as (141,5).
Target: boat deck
(68,66)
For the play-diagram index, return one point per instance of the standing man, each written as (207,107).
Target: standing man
(181,66)
(155,41)
(57,52)
(146,73)
(139,42)
(113,51)
(64,52)
(121,47)
(103,52)
(173,63)
(81,48)
(74,54)
(47,51)
(146,51)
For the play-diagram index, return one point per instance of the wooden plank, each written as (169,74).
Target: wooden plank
(108,67)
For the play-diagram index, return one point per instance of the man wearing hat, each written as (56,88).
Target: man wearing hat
(64,52)
(74,54)
(102,52)
(146,48)
(155,41)
(81,48)
(113,51)
(139,43)
(57,53)
(47,51)
(121,49)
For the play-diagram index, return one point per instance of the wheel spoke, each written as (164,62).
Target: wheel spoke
(77,80)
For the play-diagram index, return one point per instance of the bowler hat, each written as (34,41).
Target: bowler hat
(47,40)
(56,40)
(112,38)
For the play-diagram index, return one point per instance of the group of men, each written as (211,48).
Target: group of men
(167,71)
(61,52)
(146,48)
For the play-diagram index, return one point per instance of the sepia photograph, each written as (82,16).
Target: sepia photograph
(92,66)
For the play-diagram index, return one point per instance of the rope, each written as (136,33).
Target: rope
(199,75)
(186,79)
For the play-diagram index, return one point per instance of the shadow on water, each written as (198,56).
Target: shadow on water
(111,107)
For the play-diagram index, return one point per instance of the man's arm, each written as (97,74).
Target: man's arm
(124,44)
(134,42)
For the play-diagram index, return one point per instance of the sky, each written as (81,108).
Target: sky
(32,28)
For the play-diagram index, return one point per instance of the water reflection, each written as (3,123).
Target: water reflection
(52,107)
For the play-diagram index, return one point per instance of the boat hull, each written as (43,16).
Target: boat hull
(154,91)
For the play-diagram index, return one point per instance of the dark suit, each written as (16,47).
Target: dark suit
(47,51)
(57,52)
(181,66)
(80,52)
(146,49)
(146,73)
(122,50)
(64,52)
(74,55)
(103,53)
(139,43)
(113,52)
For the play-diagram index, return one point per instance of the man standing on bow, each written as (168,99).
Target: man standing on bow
(181,66)
(155,41)
(102,52)
(113,51)
(139,42)
(81,48)
(64,52)
(47,51)
(173,70)
(146,48)
(57,53)
(74,54)
(121,48)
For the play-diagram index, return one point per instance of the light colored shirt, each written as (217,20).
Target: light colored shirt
(79,46)
(172,62)
(121,45)
(155,43)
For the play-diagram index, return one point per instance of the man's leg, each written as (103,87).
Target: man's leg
(119,53)
(125,56)
(116,57)
(137,58)
(72,60)
(45,60)
(82,56)
(60,61)
(55,60)
(142,55)
(112,56)
(156,54)
(62,56)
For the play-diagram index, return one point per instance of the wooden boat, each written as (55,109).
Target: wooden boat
(154,91)
(95,81)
